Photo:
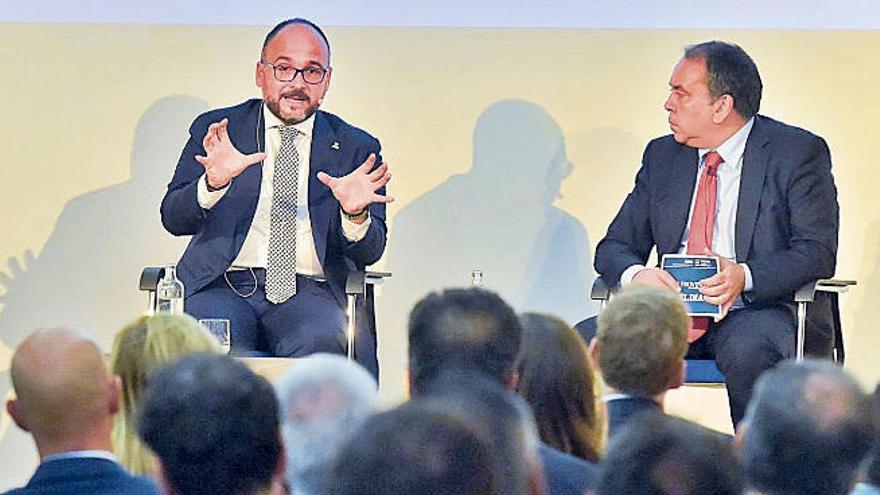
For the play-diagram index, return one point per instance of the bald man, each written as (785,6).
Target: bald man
(66,400)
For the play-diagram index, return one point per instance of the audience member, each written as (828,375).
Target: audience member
(558,382)
(66,400)
(323,399)
(639,349)
(213,425)
(662,455)
(806,431)
(414,449)
(475,329)
(500,417)
(870,485)
(138,350)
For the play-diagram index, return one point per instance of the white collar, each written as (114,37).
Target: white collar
(733,148)
(81,454)
(305,127)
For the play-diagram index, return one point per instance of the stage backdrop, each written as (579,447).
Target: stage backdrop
(511,150)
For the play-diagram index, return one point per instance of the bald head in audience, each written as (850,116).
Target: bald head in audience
(64,396)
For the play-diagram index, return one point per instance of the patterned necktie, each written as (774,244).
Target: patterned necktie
(702,225)
(281,265)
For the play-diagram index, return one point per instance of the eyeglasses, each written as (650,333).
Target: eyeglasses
(286,73)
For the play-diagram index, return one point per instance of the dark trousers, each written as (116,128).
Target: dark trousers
(310,321)
(744,344)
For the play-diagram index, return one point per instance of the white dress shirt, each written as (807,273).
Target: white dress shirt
(724,229)
(255,249)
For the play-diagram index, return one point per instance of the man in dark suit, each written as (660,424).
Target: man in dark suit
(66,400)
(639,351)
(272,244)
(728,182)
(474,329)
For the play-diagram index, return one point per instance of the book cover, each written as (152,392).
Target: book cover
(688,270)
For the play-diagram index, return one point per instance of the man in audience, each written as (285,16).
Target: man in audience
(474,329)
(324,398)
(414,449)
(669,456)
(213,425)
(502,418)
(806,431)
(66,400)
(640,349)
(870,485)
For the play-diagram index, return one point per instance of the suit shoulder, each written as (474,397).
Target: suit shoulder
(789,133)
(233,113)
(663,144)
(346,130)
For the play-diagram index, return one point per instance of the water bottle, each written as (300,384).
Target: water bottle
(477,278)
(169,292)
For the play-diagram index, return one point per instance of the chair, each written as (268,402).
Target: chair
(359,284)
(704,371)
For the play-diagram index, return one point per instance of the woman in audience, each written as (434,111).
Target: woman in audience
(557,381)
(139,349)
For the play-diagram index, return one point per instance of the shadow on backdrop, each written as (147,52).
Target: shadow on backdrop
(499,218)
(86,274)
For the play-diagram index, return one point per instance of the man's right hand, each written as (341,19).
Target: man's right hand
(657,278)
(224,162)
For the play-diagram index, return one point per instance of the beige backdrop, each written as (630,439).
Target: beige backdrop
(95,116)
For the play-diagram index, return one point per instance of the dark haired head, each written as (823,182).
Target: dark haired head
(661,455)
(466,328)
(213,424)
(297,20)
(730,71)
(807,428)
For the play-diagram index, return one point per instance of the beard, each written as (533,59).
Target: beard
(305,106)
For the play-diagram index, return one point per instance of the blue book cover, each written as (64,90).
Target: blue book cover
(688,270)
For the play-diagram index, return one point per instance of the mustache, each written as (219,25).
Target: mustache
(295,93)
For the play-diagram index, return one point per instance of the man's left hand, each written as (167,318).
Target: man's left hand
(725,287)
(357,190)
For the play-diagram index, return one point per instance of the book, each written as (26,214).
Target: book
(688,270)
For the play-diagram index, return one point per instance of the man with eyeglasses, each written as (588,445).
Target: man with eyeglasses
(282,201)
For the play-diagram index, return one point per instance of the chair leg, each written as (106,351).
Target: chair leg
(349,329)
(801,329)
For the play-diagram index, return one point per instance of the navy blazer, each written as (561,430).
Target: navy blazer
(786,218)
(218,234)
(620,411)
(85,475)
(566,474)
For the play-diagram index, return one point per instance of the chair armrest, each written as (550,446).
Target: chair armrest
(357,281)
(150,278)
(600,291)
(807,293)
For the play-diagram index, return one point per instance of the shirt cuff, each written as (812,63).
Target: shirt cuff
(748,285)
(352,231)
(207,199)
(628,274)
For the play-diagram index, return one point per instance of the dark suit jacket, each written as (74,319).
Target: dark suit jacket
(566,474)
(786,219)
(85,475)
(218,233)
(622,409)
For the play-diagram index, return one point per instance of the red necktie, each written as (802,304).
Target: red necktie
(702,224)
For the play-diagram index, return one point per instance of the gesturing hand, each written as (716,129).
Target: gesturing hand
(357,190)
(724,287)
(224,162)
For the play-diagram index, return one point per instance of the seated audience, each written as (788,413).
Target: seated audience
(807,429)
(66,400)
(475,329)
(323,399)
(139,349)
(500,417)
(870,484)
(662,455)
(639,349)
(213,425)
(558,382)
(414,449)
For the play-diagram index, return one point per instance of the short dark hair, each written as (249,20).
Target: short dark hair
(213,425)
(297,20)
(468,328)
(730,71)
(413,449)
(661,455)
(808,427)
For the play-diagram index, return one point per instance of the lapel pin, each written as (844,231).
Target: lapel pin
(335,145)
